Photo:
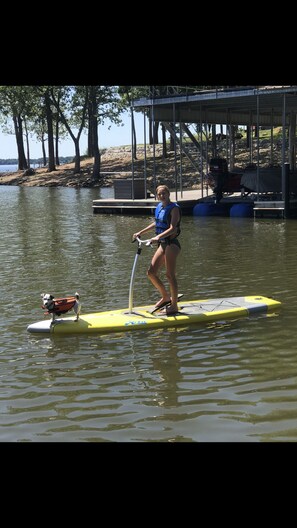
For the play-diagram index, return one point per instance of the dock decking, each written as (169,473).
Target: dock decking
(186,200)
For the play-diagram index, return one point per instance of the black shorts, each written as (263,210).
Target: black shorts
(167,242)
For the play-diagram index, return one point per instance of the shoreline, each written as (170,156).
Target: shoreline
(62,176)
(116,163)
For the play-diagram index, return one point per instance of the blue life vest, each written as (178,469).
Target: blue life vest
(163,218)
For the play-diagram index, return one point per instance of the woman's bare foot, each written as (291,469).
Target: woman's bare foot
(162,302)
(169,310)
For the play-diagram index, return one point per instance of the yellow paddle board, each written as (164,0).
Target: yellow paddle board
(142,318)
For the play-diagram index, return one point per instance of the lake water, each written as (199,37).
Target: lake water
(14,168)
(8,168)
(229,381)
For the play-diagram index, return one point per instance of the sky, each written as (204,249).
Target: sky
(116,136)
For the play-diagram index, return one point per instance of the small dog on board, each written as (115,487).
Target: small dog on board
(58,306)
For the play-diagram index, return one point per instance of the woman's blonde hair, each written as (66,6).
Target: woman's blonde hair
(162,188)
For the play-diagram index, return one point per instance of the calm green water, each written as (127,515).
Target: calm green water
(229,381)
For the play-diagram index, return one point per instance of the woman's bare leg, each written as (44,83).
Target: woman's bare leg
(171,254)
(157,262)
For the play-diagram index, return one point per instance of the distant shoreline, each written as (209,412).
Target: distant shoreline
(35,162)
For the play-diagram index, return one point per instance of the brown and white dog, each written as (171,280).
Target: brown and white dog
(60,305)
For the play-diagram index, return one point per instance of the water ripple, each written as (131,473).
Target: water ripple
(232,380)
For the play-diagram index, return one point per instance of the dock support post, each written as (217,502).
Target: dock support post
(286,189)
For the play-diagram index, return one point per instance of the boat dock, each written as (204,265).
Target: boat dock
(146,206)
(229,205)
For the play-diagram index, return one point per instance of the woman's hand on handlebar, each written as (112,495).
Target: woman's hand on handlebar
(135,236)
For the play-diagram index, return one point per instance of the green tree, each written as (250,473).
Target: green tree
(128,94)
(104,103)
(16,106)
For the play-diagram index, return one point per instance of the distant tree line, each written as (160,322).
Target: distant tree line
(51,113)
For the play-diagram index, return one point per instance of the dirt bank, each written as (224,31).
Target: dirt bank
(116,162)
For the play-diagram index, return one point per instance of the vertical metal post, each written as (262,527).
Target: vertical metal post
(202,154)
(251,137)
(286,190)
(206,140)
(284,149)
(231,143)
(292,136)
(154,147)
(271,138)
(145,172)
(258,148)
(175,162)
(131,288)
(181,159)
(132,150)
(228,138)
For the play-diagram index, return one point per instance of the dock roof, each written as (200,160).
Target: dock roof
(266,105)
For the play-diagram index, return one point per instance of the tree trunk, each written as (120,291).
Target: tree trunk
(96,151)
(18,128)
(57,142)
(49,120)
(77,156)
(43,150)
(90,131)
(97,164)
(93,124)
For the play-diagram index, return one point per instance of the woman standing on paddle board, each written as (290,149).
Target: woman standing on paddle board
(167,226)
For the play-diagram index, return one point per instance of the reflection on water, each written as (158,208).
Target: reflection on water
(232,380)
